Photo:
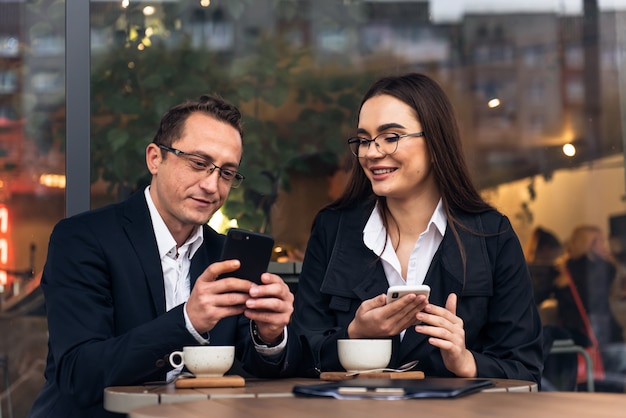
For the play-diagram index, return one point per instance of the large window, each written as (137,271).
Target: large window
(539,91)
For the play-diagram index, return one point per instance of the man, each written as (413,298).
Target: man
(128,284)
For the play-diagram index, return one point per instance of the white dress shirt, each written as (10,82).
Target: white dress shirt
(175,263)
(376,238)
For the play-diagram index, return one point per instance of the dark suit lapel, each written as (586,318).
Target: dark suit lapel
(478,266)
(138,226)
(354,269)
(208,253)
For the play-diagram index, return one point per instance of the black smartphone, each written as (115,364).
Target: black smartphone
(252,249)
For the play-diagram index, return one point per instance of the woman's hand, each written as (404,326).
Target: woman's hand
(377,319)
(447,333)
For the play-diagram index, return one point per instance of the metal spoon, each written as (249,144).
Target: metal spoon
(160,383)
(404,368)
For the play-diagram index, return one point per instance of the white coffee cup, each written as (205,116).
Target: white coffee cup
(204,360)
(364,354)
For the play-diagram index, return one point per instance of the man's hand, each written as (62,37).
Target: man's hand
(270,306)
(211,300)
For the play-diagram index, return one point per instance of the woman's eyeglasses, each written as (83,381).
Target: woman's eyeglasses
(386,143)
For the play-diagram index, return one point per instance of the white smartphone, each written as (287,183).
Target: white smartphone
(396,292)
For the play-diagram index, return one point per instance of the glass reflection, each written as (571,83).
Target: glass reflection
(526,78)
(516,74)
(533,85)
(32,183)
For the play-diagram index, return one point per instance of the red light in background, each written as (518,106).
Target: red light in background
(4,244)
(4,219)
(4,251)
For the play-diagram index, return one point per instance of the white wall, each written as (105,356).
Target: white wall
(586,195)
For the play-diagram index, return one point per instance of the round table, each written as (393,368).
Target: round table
(124,399)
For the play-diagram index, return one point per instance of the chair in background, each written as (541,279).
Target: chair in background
(568,346)
(557,342)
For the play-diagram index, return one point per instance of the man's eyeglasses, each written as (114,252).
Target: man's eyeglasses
(386,143)
(202,164)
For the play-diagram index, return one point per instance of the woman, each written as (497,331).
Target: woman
(583,298)
(583,288)
(411,215)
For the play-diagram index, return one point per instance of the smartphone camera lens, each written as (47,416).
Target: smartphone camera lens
(394,295)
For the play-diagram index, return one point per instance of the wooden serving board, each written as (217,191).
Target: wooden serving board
(337,376)
(211,382)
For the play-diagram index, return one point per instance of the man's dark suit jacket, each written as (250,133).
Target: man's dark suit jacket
(502,327)
(105,303)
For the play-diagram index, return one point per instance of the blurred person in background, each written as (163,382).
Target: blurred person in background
(588,271)
(542,250)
